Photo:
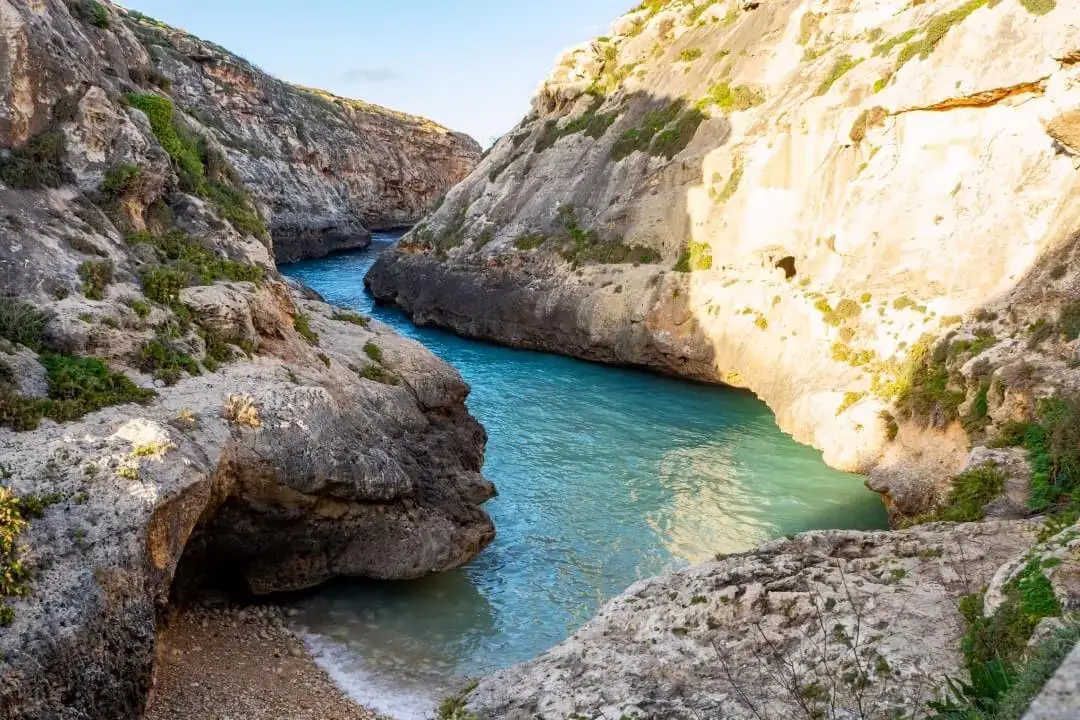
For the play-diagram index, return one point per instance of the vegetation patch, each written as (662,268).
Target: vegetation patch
(1039,7)
(379,374)
(184,261)
(529,242)
(696,257)
(37,164)
(373,351)
(22,323)
(869,118)
(731,98)
(884,48)
(935,31)
(663,131)
(302,325)
(77,386)
(351,317)
(730,187)
(689,55)
(592,123)
(584,246)
(96,276)
(162,359)
(203,170)
(844,64)
(846,309)
(14,575)
(969,494)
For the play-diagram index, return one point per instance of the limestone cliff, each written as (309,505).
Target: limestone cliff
(171,410)
(325,170)
(800,198)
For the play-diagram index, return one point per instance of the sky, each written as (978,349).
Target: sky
(471,65)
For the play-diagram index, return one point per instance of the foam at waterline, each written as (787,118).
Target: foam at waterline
(374,691)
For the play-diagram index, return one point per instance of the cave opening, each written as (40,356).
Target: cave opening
(787,264)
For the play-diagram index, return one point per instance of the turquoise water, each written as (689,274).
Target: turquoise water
(605,476)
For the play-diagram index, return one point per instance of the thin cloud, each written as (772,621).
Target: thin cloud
(371,74)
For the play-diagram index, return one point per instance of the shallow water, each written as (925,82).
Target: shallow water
(605,476)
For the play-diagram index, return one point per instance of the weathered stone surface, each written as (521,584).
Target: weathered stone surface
(847,208)
(776,632)
(277,453)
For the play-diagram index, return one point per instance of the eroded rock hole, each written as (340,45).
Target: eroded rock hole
(787,264)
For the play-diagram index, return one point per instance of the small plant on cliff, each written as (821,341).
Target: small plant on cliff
(241,410)
(696,257)
(453,707)
(14,576)
(656,135)
(1039,7)
(529,242)
(22,324)
(202,169)
(37,164)
(689,55)
(184,261)
(730,98)
(165,361)
(351,317)
(90,11)
(843,65)
(96,276)
(302,325)
(373,351)
(969,495)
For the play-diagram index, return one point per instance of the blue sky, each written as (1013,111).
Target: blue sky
(469,64)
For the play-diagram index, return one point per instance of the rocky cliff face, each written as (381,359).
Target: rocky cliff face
(800,198)
(324,170)
(171,411)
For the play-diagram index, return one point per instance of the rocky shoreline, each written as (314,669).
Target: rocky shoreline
(241,663)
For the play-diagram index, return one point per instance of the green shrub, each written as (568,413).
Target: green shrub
(969,493)
(584,246)
(120,180)
(96,276)
(935,31)
(379,374)
(302,325)
(696,257)
(202,170)
(453,707)
(673,140)
(14,576)
(77,386)
(165,362)
(731,98)
(1069,322)
(351,317)
(529,242)
(843,65)
(846,309)
(887,47)
(732,184)
(850,399)
(592,122)
(689,55)
(1038,7)
(653,125)
(373,351)
(182,262)
(22,324)
(37,164)
(94,13)
(86,385)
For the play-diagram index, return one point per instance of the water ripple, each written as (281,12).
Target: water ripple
(605,476)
